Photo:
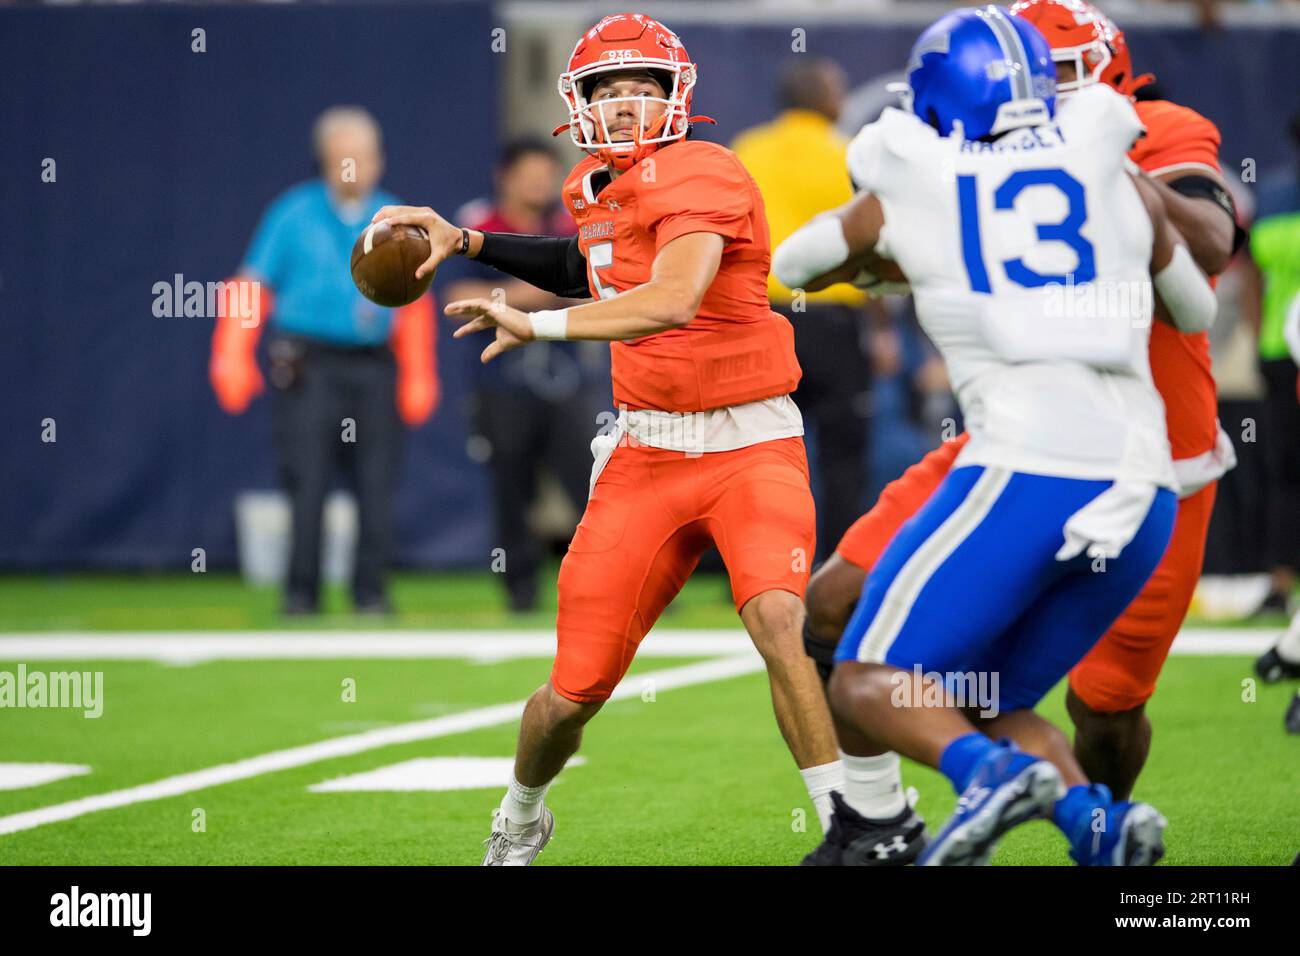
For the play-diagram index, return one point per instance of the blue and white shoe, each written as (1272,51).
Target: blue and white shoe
(1008,788)
(1133,836)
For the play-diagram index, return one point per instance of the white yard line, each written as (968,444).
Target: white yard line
(430,775)
(196,647)
(179,647)
(1225,641)
(275,761)
(19,776)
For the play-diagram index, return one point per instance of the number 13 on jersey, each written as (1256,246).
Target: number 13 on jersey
(1004,197)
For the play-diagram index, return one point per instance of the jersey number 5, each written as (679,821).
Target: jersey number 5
(601,256)
(1066,231)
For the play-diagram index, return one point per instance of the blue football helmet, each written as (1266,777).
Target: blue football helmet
(981,71)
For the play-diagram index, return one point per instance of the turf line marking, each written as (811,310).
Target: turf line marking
(629,688)
(1224,641)
(20,776)
(197,647)
(431,775)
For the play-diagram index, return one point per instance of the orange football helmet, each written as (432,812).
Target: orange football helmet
(618,43)
(1081,34)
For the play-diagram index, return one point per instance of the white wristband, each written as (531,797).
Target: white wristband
(550,323)
(1291,332)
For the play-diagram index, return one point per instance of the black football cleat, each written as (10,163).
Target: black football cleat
(1273,667)
(1293,718)
(855,840)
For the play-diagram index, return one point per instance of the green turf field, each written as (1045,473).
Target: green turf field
(698,774)
(220,601)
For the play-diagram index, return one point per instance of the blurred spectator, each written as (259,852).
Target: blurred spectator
(1279,189)
(1275,249)
(1238,528)
(798,162)
(535,407)
(342,368)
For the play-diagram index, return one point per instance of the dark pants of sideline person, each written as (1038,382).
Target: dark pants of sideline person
(834,397)
(1239,526)
(338,411)
(526,432)
(1283,450)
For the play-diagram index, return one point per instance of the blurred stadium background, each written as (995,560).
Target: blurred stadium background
(166,157)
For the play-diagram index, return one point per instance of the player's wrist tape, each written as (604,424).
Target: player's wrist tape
(550,323)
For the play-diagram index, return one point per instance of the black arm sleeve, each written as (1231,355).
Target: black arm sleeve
(1203,187)
(554,264)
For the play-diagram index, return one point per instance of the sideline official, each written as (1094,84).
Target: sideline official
(345,373)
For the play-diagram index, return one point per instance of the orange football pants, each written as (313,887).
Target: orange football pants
(1120,671)
(651,515)
(903,497)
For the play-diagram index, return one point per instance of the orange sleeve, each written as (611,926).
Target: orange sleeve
(232,367)
(903,497)
(1176,136)
(571,191)
(699,189)
(416,348)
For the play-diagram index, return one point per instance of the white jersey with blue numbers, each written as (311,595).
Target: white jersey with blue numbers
(1029,262)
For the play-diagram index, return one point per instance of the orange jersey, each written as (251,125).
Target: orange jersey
(1177,139)
(736,349)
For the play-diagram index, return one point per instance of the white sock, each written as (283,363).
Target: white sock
(523,805)
(820,781)
(873,786)
(1288,645)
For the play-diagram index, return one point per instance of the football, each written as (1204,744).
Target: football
(384,260)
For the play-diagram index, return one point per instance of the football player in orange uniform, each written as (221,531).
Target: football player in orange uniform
(673,244)
(1109,688)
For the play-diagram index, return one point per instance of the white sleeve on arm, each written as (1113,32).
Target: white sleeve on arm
(1186,293)
(862,157)
(814,249)
(1101,116)
(1291,330)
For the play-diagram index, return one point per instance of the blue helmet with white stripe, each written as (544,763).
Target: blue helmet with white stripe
(981,71)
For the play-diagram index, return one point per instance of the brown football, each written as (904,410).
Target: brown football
(384,260)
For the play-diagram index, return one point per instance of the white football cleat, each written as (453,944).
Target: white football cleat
(513,845)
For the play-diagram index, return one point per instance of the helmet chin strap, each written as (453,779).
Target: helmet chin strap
(1135,83)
